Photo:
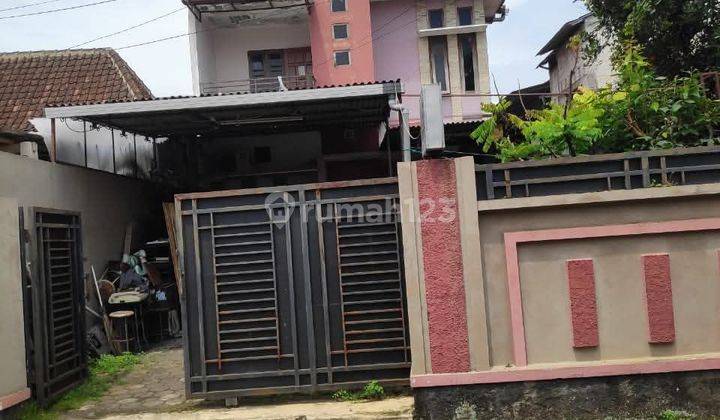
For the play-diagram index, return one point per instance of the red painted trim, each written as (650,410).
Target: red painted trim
(7,401)
(442,259)
(583,305)
(566,372)
(512,239)
(658,298)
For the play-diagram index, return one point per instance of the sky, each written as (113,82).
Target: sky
(165,66)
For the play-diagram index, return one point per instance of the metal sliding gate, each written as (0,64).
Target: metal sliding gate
(293,289)
(56,293)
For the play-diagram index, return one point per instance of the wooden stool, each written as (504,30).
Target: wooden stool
(125,317)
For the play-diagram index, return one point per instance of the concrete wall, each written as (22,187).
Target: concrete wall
(107,202)
(569,286)
(13,381)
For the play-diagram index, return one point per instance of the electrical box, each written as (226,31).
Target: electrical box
(433,128)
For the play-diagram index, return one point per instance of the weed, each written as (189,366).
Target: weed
(675,415)
(371,391)
(104,372)
(344,395)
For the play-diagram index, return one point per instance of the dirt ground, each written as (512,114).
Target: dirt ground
(155,390)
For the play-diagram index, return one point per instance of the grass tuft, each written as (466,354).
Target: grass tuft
(104,372)
(372,391)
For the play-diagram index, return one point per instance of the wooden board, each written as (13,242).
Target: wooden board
(169,212)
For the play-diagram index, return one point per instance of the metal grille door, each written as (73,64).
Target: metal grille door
(59,357)
(293,289)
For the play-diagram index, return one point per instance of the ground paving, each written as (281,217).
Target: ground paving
(155,389)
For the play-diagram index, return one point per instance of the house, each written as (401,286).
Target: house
(293,113)
(570,70)
(255,46)
(30,81)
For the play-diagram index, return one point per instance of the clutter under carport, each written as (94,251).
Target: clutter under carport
(138,299)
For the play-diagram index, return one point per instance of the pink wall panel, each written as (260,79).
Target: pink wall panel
(359,43)
(442,259)
(583,306)
(658,292)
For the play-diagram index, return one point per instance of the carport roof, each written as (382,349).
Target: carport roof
(189,115)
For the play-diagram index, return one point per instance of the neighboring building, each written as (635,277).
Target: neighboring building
(30,81)
(245,46)
(561,60)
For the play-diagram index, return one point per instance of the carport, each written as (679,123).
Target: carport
(258,140)
(288,233)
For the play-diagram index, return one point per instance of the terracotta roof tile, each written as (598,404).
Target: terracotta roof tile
(30,81)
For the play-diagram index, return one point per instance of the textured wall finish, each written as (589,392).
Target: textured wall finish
(658,291)
(581,284)
(442,258)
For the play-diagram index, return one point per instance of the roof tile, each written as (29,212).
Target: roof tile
(30,81)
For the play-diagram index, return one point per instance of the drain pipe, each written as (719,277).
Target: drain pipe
(404,116)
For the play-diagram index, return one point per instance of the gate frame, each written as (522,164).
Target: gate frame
(39,325)
(231,396)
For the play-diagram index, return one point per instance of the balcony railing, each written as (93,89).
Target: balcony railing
(258,85)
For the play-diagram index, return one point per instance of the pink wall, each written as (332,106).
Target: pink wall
(360,44)
(395,48)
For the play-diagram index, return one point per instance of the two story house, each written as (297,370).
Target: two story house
(260,45)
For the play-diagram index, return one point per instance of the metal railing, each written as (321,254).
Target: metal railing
(258,85)
(619,171)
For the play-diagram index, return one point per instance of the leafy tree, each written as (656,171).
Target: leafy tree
(647,111)
(677,35)
(560,129)
(643,111)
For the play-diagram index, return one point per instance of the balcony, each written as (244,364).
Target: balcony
(258,85)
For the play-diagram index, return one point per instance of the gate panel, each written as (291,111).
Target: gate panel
(293,289)
(59,354)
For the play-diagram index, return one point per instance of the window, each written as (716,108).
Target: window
(465,16)
(266,63)
(340,31)
(342,58)
(262,154)
(467,59)
(438,61)
(338,5)
(436,18)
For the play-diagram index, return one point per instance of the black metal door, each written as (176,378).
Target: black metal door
(294,289)
(57,309)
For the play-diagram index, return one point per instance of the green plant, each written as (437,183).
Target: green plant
(675,415)
(642,112)
(104,372)
(343,395)
(646,111)
(677,35)
(371,391)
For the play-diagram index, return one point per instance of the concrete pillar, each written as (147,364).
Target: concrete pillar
(445,288)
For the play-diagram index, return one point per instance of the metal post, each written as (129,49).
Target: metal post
(155,162)
(85,145)
(112,136)
(53,141)
(405,128)
(135,168)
